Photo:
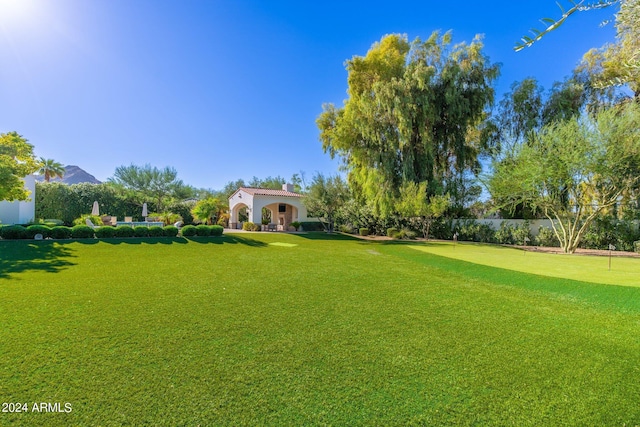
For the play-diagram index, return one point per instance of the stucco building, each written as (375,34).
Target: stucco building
(285,206)
(20,212)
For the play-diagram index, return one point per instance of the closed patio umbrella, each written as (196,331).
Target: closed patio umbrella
(96,209)
(144,211)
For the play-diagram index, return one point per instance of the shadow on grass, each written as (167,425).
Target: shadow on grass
(135,241)
(21,256)
(322,235)
(217,240)
(228,239)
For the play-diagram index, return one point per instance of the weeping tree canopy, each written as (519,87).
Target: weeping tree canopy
(409,115)
(615,64)
(618,64)
(575,170)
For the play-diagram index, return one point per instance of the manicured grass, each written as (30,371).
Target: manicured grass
(275,329)
(624,271)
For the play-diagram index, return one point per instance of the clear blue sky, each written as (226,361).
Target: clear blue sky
(230,89)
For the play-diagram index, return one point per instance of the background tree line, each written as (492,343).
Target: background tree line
(419,125)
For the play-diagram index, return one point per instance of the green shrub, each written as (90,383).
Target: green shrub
(346,228)
(363,231)
(250,226)
(442,228)
(13,232)
(224,220)
(52,222)
(546,237)
(60,232)
(189,231)
(81,232)
(124,231)
(312,226)
(203,230)
(636,246)
(95,220)
(405,233)
(170,230)
(32,230)
(156,231)
(485,234)
(504,235)
(165,217)
(522,232)
(608,231)
(392,232)
(141,231)
(296,225)
(467,230)
(217,230)
(105,232)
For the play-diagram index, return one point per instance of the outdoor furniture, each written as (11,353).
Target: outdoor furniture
(272,227)
(109,220)
(90,224)
(128,219)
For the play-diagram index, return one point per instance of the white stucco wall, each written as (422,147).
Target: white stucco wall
(18,212)
(255,203)
(260,202)
(534,224)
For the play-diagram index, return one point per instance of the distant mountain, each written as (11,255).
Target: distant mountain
(73,175)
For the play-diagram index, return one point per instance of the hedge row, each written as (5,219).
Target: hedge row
(86,232)
(202,230)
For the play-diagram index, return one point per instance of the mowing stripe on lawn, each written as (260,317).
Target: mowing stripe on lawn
(593,269)
(619,298)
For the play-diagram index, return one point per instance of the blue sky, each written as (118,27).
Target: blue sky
(222,90)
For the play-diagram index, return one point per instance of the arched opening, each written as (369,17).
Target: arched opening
(282,215)
(239,215)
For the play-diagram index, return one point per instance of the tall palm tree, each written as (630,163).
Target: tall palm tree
(50,169)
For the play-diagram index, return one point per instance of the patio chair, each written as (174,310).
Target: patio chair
(90,224)
(128,219)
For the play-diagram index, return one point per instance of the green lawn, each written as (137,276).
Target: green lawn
(624,271)
(276,329)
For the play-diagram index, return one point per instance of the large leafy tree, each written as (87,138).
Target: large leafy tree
(415,205)
(408,117)
(527,108)
(209,209)
(325,197)
(49,168)
(574,171)
(147,182)
(16,162)
(619,63)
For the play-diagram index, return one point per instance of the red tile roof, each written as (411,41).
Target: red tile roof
(268,192)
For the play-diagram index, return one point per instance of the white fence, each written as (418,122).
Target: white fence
(534,224)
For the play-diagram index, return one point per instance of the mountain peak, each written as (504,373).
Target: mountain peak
(73,175)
